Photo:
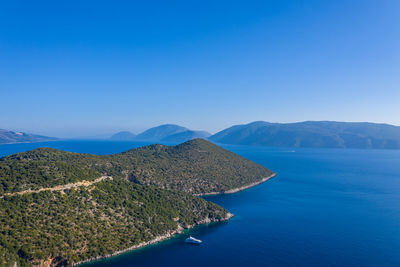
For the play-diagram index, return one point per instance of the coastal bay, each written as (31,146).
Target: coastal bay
(327,206)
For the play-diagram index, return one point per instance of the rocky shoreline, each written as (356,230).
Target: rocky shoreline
(235,190)
(179,229)
(155,240)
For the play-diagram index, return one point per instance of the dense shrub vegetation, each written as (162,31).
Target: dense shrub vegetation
(197,166)
(83,223)
(68,226)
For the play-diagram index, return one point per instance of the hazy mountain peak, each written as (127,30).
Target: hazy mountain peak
(185,136)
(124,135)
(160,132)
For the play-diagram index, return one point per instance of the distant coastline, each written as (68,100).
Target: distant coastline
(235,190)
(13,137)
(32,142)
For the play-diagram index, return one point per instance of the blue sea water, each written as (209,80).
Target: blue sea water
(326,207)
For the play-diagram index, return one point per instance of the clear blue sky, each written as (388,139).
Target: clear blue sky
(78,68)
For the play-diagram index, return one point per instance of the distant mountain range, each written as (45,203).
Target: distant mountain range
(328,134)
(169,133)
(20,137)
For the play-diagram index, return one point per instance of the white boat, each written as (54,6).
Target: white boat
(193,240)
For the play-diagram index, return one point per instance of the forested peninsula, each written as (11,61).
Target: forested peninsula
(60,208)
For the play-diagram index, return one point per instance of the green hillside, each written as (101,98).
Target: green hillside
(93,206)
(196,166)
(74,225)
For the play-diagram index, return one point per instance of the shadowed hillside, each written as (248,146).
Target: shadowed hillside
(313,134)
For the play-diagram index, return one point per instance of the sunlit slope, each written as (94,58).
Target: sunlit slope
(196,166)
(66,227)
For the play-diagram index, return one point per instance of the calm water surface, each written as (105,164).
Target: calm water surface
(326,207)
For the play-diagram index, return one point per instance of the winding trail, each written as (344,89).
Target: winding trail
(61,187)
